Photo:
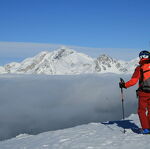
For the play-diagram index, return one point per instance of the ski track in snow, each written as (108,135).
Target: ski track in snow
(90,136)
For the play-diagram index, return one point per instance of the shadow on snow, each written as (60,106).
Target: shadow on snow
(125,124)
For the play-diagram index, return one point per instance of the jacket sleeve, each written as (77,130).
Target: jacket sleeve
(134,79)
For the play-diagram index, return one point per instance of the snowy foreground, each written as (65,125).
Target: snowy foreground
(107,135)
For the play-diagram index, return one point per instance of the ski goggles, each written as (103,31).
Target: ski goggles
(144,56)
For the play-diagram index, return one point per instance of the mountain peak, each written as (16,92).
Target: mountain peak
(105,57)
(44,53)
(63,52)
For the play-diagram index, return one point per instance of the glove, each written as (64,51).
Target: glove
(122,84)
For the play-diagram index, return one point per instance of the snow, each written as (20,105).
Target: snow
(107,135)
(2,70)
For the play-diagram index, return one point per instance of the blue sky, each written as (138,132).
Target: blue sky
(122,24)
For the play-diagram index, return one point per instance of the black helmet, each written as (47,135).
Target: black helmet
(144,54)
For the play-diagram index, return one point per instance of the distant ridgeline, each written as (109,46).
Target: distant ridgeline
(67,61)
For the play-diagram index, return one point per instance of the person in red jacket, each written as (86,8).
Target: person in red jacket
(142,74)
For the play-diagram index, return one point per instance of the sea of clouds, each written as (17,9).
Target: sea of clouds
(37,103)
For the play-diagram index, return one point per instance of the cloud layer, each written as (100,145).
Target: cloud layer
(33,104)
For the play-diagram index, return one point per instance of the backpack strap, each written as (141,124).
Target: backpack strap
(146,71)
(141,76)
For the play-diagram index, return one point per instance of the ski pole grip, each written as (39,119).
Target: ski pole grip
(122,81)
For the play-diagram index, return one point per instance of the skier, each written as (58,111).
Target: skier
(142,74)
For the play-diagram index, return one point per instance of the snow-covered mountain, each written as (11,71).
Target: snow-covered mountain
(106,63)
(68,61)
(107,135)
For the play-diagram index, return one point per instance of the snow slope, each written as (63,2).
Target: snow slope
(67,61)
(107,135)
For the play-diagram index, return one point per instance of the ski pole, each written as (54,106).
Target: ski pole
(122,99)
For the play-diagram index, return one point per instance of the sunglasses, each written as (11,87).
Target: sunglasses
(144,56)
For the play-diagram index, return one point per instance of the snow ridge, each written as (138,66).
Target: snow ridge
(66,61)
(89,136)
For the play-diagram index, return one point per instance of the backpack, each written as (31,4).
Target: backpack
(144,81)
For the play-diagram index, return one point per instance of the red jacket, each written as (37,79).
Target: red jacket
(135,78)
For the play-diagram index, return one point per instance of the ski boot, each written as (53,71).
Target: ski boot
(145,131)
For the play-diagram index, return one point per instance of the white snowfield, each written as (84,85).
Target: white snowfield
(67,61)
(107,135)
